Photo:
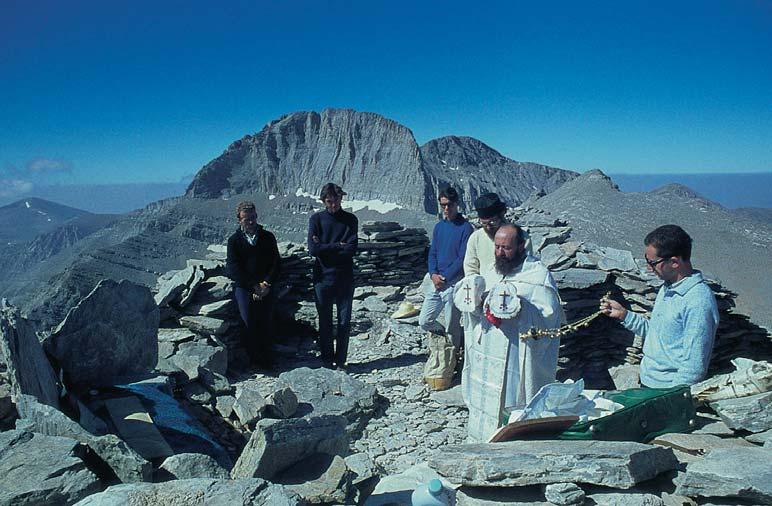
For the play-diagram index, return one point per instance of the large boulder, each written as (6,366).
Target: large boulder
(332,393)
(27,367)
(276,445)
(321,479)
(110,450)
(111,335)
(517,463)
(195,492)
(37,469)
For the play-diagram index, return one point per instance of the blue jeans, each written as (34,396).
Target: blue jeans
(436,302)
(339,291)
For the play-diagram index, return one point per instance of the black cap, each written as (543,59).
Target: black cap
(331,189)
(488,205)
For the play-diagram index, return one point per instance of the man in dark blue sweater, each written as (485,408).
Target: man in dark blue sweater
(253,264)
(332,239)
(446,260)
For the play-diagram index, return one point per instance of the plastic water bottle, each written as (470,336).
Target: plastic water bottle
(431,494)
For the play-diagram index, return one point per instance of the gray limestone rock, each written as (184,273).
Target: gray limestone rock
(693,447)
(761,438)
(375,304)
(37,469)
(626,376)
(752,413)
(205,324)
(127,464)
(730,473)
(172,288)
(224,405)
(219,308)
(215,382)
(175,335)
(564,494)
(625,499)
(616,260)
(189,291)
(517,463)
(194,355)
(27,368)
(319,479)
(283,403)
(111,335)
(277,444)
(450,397)
(332,393)
(579,278)
(194,465)
(362,466)
(250,403)
(195,492)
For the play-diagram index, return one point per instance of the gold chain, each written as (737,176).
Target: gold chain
(569,328)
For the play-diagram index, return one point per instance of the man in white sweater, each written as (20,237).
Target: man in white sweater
(480,252)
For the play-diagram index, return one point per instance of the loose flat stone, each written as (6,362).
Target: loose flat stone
(171,289)
(625,499)
(195,492)
(205,324)
(616,464)
(579,278)
(752,413)
(192,356)
(564,494)
(321,479)
(734,473)
(194,465)
(761,438)
(616,260)
(175,335)
(449,397)
(250,403)
(693,447)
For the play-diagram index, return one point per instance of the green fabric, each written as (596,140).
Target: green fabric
(647,413)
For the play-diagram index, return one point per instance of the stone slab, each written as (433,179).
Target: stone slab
(616,464)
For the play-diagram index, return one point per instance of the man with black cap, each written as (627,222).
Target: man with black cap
(480,251)
(332,239)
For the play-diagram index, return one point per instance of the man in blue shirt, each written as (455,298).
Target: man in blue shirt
(446,267)
(678,337)
(332,239)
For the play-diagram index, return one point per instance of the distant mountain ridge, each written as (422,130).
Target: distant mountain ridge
(25,219)
(727,244)
(373,158)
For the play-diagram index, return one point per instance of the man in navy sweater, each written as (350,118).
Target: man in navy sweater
(332,239)
(253,264)
(446,261)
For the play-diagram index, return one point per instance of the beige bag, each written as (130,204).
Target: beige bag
(441,364)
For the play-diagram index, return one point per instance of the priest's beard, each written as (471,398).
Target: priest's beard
(506,265)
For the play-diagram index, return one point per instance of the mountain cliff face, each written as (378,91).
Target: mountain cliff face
(370,156)
(475,168)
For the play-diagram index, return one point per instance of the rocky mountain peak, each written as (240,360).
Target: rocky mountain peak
(372,157)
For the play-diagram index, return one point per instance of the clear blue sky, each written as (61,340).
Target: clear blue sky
(139,91)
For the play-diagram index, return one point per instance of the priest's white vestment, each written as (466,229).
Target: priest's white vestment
(500,370)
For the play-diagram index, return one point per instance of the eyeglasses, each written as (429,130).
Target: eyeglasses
(654,263)
(447,204)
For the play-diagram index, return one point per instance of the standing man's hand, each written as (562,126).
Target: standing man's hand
(315,238)
(439,281)
(613,309)
(260,290)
